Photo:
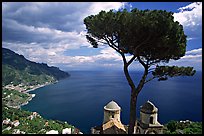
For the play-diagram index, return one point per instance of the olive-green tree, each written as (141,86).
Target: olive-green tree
(150,37)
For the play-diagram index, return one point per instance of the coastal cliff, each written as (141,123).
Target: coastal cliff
(18,70)
(19,76)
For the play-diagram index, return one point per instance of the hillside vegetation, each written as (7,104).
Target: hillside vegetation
(183,127)
(16,70)
(18,76)
(30,122)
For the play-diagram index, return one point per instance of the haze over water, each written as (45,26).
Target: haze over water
(80,99)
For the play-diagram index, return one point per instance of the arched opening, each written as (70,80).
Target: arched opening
(112,116)
(151,120)
(138,131)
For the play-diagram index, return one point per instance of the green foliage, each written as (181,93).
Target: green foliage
(163,72)
(172,125)
(17,69)
(175,127)
(14,98)
(147,36)
(151,34)
(36,125)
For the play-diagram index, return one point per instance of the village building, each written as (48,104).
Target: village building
(34,114)
(15,123)
(67,131)
(46,123)
(30,117)
(52,132)
(111,121)
(146,124)
(6,121)
(16,131)
(8,128)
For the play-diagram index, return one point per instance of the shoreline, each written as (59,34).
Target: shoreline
(27,91)
(29,99)
(33,95)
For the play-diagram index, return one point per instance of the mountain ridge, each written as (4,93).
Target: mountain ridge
(16,68)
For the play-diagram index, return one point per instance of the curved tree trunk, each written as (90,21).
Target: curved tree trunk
(133,100)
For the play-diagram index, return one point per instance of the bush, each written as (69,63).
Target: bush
(172,125)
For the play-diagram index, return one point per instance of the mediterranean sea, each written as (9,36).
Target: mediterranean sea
(80,98)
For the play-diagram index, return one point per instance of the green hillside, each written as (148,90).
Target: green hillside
(17,69)
(18,76)
(30,124)
(183,127)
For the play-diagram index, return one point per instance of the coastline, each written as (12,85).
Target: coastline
(33,95)
(26,102)
(27,91)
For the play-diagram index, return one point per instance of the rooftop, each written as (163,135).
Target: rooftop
(113,106)
(148,107)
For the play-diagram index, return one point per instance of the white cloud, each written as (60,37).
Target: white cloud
(96,7)
(195,51)
(109,54)
(42,32)
(191,38)
(190,16)
(193,58)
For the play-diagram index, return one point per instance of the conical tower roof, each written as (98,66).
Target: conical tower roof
(148,107)
(112,106)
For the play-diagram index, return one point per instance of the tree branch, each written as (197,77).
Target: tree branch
(142,81)
(102,42)
(149,79)
(124,59)
(131,60)
(143,64)
(150,70)
(112,46)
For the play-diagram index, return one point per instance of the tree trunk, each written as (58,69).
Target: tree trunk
(133,101)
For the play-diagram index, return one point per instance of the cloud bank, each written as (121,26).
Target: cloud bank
(44,32)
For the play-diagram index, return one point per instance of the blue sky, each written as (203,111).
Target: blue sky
(54,33)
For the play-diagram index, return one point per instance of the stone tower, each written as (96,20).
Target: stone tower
(111,121)
(148,123)
(111,111)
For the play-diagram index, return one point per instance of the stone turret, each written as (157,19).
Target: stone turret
(148,123)
(111,111)
(148,113)
(111,121)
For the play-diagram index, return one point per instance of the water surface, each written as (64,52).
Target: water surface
(80,99)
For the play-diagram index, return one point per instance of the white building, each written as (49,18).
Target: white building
(30,117)
(16,131)
(148,123)
(52,132)
(67,131)
(111,121)
(6,121)
(16,123)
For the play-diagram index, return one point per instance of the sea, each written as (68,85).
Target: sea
(80,98)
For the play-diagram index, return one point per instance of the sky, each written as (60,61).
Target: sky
(54,33)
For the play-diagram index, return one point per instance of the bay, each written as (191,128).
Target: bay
(80,99)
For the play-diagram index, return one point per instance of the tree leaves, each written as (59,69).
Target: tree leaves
(152,34)
(163,72)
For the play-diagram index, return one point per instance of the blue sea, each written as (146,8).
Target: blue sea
(80,98)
